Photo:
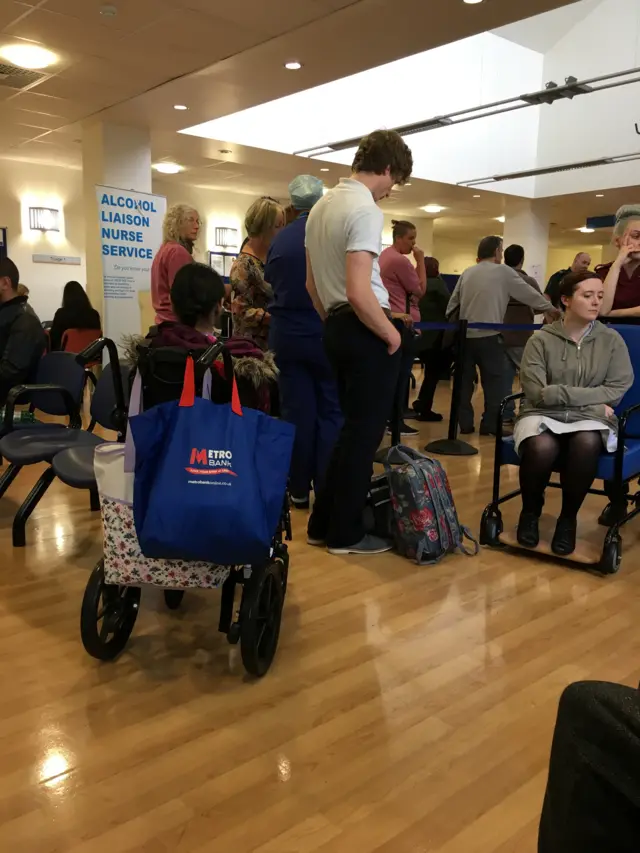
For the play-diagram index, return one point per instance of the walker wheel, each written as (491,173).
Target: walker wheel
(260,617)
(173,598)
(611,556)
(491,527)
(107,616)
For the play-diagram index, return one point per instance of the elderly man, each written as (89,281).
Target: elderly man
(309,395)
(581,262)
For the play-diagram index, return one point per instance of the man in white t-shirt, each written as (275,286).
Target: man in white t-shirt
(343,241)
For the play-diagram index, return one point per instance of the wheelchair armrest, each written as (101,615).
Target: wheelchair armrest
(624,417)
(507,400)
(210,354)
(73,410)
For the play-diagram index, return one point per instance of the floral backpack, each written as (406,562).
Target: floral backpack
(425,521)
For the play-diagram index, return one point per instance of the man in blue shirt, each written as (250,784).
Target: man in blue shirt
(309,395)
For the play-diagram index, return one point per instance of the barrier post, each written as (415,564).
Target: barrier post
(452,445)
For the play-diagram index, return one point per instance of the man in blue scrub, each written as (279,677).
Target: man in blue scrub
(309,395)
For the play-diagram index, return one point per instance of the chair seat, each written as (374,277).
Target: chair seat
(34,425)
(75,467)
(29,446)
(606,463)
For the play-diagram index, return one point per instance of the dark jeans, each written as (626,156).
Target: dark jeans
(367,378)
(487,354)
(409,351)
(592,802)
(436,362)
(309,400)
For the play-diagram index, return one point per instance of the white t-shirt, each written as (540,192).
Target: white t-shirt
(346,219)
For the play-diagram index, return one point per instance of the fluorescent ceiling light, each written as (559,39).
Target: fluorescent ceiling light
(586,230)
(599,195)
(293,65)
(28,55)
(502,219)
(180,107)
(433,208)
(167,168)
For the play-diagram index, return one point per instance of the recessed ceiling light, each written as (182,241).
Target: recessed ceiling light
(180,107)
(586,230)
(477,196)
(471,2)
(408,184)
(108,11)
(167,168)
(324,170)
(294,65)
(599,195)
(224,151)
(432,208)
(28,55)
(502,219)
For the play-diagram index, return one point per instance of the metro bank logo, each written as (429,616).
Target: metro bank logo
(211,462)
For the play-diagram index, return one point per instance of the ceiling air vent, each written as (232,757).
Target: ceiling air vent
(18,78)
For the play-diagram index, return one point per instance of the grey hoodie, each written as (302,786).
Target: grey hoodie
(572,381)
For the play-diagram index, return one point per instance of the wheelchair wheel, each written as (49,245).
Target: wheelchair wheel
(108,615)
(260,616)
(173,598)
(611,556)
(490,527)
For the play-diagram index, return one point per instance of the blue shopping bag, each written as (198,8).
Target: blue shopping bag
(210,479)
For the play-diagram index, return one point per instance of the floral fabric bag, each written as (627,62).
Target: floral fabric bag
(425,521)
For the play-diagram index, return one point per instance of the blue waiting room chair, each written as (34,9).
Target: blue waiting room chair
(617,469)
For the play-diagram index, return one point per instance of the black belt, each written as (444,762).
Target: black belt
(346,308)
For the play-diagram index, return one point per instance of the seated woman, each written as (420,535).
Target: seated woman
(76,312)
(196,299)
(574,372)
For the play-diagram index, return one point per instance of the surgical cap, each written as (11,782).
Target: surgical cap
(305,191)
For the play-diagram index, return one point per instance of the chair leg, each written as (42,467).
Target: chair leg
(28,506)
(8,477)
(94,498)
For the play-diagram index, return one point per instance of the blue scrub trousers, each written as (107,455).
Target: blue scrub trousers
(309,400)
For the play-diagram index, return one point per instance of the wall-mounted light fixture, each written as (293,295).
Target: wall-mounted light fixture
(44,219)
(226,237)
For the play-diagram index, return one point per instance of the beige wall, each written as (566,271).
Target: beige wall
(454,255)
(24,185)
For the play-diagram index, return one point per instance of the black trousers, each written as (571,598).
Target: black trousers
(367,378)
(592,802)
(436,362)
(488,355)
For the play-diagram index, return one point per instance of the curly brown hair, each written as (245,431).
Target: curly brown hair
(382,150)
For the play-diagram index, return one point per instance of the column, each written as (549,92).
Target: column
(115,156)
(527,224)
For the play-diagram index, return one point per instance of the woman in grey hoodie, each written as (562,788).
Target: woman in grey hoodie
(574,372)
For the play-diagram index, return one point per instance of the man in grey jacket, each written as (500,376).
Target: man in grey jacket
(482,295)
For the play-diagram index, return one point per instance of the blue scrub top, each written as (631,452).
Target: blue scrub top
(292,310)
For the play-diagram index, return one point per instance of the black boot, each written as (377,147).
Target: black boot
(564,539)
(528,533)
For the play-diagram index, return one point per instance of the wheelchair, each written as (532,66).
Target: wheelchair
(618,469)
(109,610)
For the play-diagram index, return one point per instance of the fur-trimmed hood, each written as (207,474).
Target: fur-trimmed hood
(249,362)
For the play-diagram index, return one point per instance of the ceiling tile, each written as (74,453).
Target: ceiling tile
(206,35)
(271,18)
(131,15)
(64,33)
(71,110)
(109,92)
(10,12)
(12,115)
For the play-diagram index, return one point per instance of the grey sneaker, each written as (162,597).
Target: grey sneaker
(369,544)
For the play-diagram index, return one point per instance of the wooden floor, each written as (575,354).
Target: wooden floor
(409,709)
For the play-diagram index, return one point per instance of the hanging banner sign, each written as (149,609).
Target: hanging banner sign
(130,235)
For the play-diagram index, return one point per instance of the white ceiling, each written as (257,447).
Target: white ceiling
(542,32)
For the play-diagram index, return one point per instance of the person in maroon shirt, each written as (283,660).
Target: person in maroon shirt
(622,277)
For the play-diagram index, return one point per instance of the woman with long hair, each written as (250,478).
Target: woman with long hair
(250,293)
(76,312)
(574,373)
(180,229)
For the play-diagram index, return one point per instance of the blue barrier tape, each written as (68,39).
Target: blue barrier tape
(446,327)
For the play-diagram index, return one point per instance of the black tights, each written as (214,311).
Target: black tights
(574,454)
